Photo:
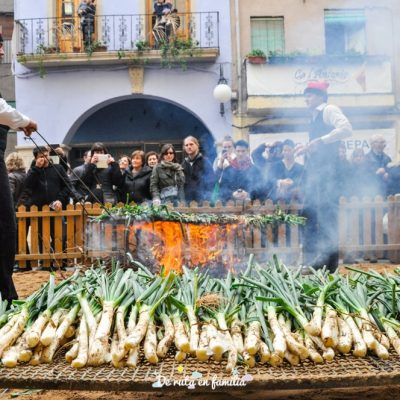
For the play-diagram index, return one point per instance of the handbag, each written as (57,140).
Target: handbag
(169,191)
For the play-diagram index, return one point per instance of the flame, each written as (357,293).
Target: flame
(173,244)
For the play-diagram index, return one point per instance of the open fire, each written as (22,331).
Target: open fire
(171,244)
(170,239)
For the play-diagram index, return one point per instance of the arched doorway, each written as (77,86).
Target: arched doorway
(129,123)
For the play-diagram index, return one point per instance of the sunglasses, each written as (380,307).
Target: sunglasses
(169,152)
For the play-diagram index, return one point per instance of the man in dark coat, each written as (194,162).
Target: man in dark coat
(199,173)
(393,181)
(286,176)
(321,197)
(9,117)
(242,179)
(48,183)
(376,161)
(77,174)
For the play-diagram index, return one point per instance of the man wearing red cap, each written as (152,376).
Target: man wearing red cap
(9,118)
(321,196)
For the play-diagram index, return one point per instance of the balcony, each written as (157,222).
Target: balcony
(356,81)
(118,39)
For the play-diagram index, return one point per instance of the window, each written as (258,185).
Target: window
(345,31)
(267,34)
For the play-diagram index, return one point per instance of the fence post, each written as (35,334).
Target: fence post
(34,222)
(342,226)
(59,236)
(22,236)
(70,244)
(391,226)
(378,225)
(396,227)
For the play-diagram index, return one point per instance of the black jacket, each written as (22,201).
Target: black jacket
(393,185)
(3,137)
(249,180)
(102,182)
(377,185)
(199,178)
(46,185)
(76,174)
(136,186)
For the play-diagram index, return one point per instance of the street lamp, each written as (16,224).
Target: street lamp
(222,92)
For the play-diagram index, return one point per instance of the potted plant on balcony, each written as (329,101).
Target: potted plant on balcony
(42,49)
(95,46)
(256,56)
(142,45)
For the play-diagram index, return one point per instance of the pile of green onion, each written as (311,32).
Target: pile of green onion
(267,314)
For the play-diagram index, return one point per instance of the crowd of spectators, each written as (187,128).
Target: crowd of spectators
(271,171)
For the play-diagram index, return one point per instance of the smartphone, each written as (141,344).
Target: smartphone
(102,161)
(55,159)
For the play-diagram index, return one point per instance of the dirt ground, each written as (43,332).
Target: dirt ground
(27,282)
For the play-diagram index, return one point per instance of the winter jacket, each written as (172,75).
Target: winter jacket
(102,182)
(136,186)
(248,180)
(393,184)
(77,172)
(46,185)
(16,179)
(280,172)
(377,185)
(167,174)
(199,178)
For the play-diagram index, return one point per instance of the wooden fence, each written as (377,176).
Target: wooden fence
(367,229)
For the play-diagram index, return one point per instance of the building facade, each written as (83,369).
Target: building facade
(7,86)
(147,84)
(354,45)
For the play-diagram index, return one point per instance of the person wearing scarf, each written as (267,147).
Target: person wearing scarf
(199,173)
(167,179)
(241,180)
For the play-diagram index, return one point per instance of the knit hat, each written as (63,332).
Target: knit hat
(317,87)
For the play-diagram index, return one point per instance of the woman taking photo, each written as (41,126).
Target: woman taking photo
(167,180)
(137,179)
(102,175)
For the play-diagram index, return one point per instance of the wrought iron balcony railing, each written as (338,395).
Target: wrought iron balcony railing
(116,33)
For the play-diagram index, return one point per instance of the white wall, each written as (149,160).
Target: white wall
(57,102)
(30,9)
(59,99)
